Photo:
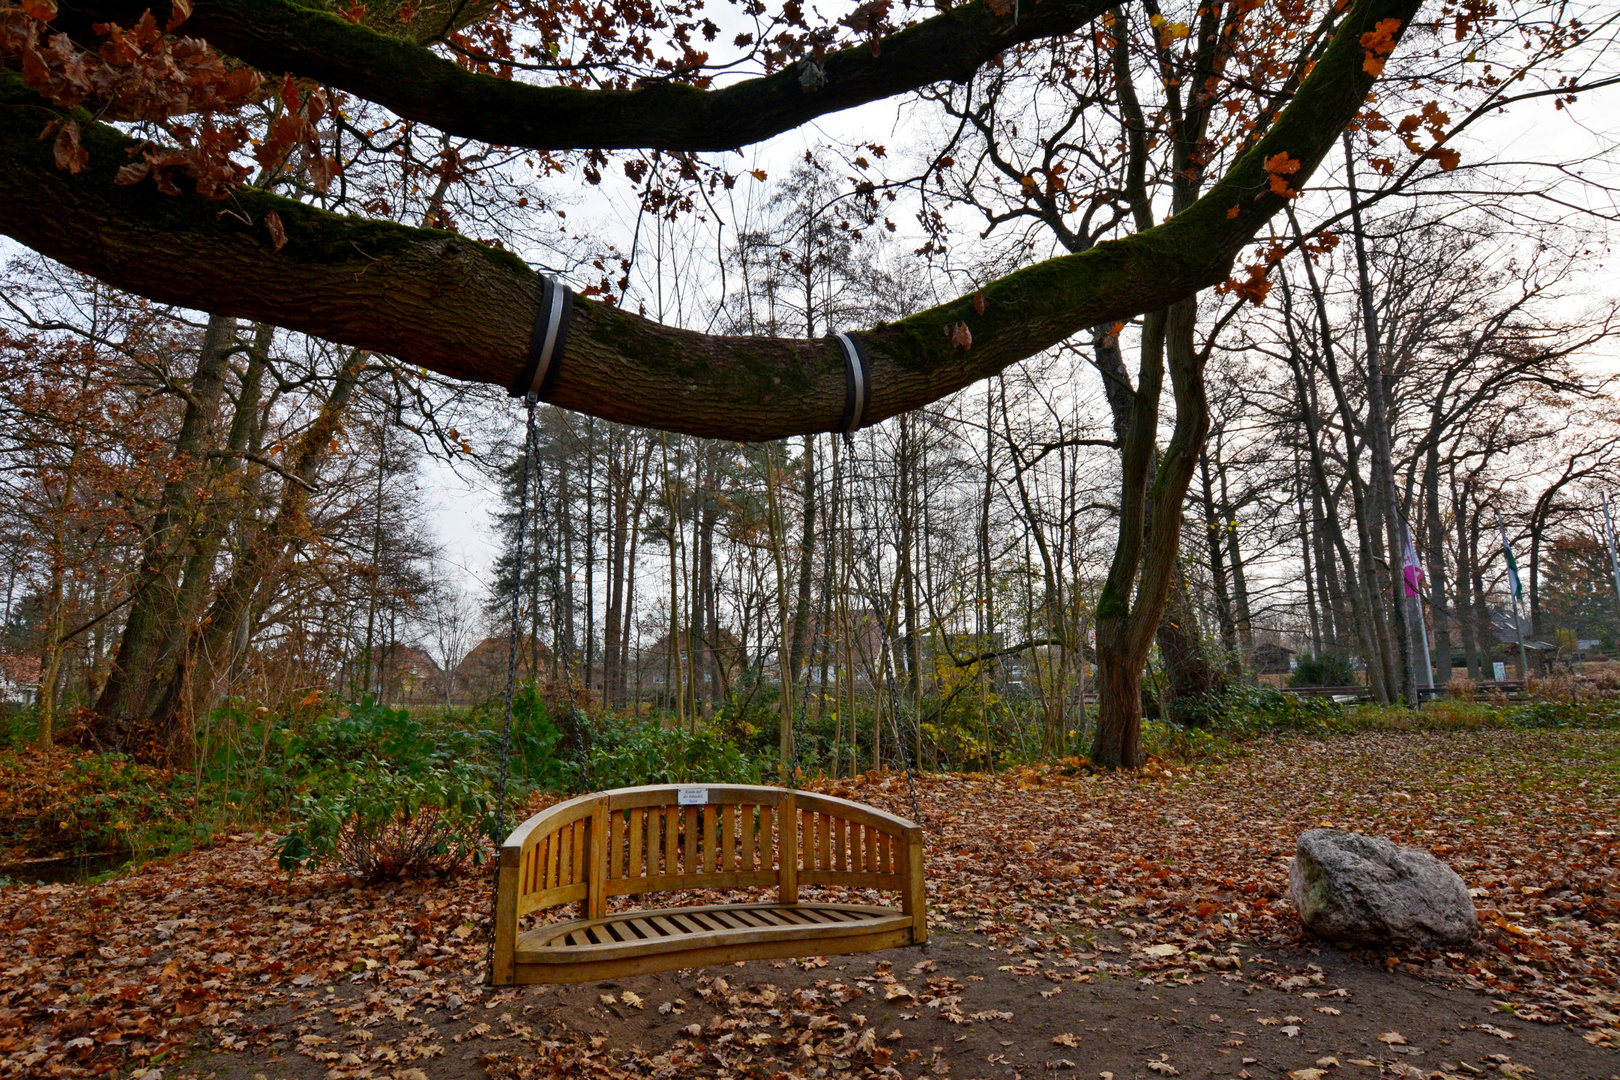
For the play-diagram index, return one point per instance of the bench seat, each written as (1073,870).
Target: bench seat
(666,939)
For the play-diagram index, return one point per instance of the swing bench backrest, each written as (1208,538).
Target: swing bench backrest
(645,840)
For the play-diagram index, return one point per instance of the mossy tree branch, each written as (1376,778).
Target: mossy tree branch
(416,83)
(459,308)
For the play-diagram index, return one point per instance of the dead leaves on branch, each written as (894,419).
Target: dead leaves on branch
(178,83)
(1279,167)
(1379,42)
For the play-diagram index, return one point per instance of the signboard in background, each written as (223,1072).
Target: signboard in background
(1500,670)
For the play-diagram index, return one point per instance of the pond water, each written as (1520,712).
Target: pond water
(72,870)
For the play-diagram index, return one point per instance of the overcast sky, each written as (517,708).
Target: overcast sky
(1533,132)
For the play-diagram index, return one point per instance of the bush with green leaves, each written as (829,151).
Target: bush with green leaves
(535,744)
(1545,715)
(630,754)
(377,822)
(1322,670)
(367,729)
(70,802)
(19,724)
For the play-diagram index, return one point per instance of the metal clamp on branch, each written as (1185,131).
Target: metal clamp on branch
(856,391)
(548,341)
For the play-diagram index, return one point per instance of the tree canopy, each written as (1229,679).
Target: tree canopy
(160,204)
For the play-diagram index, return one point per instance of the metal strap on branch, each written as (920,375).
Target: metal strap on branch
(547,342)
(857,388)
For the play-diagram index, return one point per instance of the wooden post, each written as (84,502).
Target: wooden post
(787,831)
(914,896)
(503,968)
(596,897)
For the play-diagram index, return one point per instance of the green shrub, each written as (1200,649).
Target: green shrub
(627,755)
(1175,742)
(1322,670)
(1544,715)
(19,724)
(535,743)
(367,729)
(72,802)
(378,822)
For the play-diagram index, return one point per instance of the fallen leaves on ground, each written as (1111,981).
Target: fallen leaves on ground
(196,950)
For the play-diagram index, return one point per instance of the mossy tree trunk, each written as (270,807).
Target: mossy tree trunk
(1134,595)
(122,708)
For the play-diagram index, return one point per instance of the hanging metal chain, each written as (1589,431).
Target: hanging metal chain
(542,518)
(888,674)
(524,469)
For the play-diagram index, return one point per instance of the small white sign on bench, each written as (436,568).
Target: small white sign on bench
(692,796)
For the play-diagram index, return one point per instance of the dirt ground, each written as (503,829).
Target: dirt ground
(962,1008)
(1124,925)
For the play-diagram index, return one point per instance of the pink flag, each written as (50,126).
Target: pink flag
(1411,569)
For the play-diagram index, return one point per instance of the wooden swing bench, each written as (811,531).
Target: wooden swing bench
(636,841)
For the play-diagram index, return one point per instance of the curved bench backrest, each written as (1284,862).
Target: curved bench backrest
(668,838)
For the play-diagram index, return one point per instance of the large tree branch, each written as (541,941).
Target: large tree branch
(456,307)
(418,84)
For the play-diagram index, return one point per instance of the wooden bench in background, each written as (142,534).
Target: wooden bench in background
(637,841)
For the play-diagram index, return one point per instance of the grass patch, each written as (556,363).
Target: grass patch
(1249,713)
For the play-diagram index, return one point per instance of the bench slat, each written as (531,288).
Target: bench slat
(750,826)
(747,917)
(712,837)
(686,923)
(806,922)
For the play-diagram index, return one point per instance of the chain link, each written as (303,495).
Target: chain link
(524,468)
(564,655)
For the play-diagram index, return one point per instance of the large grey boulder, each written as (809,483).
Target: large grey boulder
(1364,890)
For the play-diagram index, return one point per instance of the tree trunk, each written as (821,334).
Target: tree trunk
(1217,564)
(45,703)
(1439,616)
(1240,581)
(122,710)
(906,500)
(228,504)
(618,501)
(1145,554)
(1118,741)
(250,587)
(1378,427)
(1313,616)
(1188,675)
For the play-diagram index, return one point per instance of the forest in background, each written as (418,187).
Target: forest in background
(213,529)
(940,571)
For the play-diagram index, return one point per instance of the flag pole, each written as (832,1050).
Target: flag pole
(1513,593)
(1423,636)
(1423,625)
